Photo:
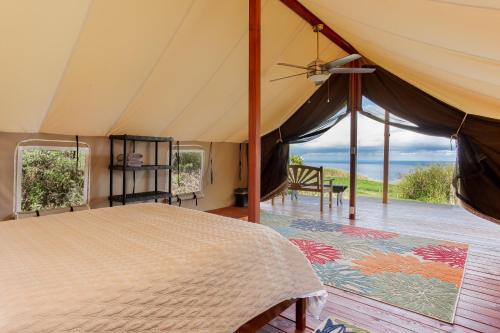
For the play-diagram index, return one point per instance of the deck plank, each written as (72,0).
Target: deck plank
(480,295)
(477,283)
(269,329)
(285,324)
(493,271)
(475,325)
(479,317)
(491,290)
(479,309)
(478,302)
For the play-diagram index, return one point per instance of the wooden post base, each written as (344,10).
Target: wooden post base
(300,314)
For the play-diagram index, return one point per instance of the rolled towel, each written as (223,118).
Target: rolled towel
(133,159)
(134,156)
(130,157)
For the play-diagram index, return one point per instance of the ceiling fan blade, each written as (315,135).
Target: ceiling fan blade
(286,77)
(342,61)
(346,70)
(291,65)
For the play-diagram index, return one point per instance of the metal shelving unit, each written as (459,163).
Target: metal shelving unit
(125,169)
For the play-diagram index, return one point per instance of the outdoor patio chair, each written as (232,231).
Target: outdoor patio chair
(305,178)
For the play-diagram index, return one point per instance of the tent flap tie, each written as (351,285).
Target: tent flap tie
(455,135)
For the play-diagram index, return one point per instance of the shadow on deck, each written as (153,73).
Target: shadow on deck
(478,307)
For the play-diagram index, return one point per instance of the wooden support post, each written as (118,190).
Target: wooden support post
(387,134)
(321,188)
(254,111)
(354,104)
(300,314)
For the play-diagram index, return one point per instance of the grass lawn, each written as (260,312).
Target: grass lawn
(365,186)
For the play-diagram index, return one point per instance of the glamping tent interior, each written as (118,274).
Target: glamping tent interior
(141,116)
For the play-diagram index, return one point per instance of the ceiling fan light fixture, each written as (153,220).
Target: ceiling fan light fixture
(318,78)
(316,73)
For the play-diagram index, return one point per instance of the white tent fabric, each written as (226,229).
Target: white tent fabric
(179,67)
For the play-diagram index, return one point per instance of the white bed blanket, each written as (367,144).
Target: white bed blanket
(144,268)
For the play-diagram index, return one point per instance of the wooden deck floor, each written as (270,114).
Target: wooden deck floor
(478,307)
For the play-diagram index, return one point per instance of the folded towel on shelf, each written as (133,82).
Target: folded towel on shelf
(130,156)
(134,164)
(133,159)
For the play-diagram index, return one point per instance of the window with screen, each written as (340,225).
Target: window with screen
(51,177)
(187,175)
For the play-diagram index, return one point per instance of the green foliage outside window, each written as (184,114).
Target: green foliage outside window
(189,179)
(296,160)
(429,184)
(50,179)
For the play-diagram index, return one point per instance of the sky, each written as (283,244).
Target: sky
(404,145)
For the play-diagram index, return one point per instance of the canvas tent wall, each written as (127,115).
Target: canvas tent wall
(217,194)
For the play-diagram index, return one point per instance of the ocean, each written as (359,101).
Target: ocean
(374,169)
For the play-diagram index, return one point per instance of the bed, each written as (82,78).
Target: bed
(147,268)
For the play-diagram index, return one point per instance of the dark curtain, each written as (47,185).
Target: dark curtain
(477,181)
(322,111)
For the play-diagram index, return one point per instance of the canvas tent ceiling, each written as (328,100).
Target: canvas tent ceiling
(448,48)
(151,67)
(180,67)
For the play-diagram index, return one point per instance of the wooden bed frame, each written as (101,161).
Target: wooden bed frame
(258,322)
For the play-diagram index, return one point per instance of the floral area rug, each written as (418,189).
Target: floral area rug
(418,274)
(333,325)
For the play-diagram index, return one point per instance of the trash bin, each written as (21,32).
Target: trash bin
(241,196)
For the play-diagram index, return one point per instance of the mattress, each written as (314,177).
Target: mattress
(145,268)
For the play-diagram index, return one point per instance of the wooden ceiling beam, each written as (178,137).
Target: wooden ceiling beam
(312,19)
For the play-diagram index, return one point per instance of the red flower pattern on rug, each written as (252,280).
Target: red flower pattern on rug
(367,233)
(317,253)
(451,255)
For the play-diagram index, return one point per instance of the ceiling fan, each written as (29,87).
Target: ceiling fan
(318,71)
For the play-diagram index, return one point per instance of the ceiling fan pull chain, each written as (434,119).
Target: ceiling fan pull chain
(317,43)
(211,161)
(328,88)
